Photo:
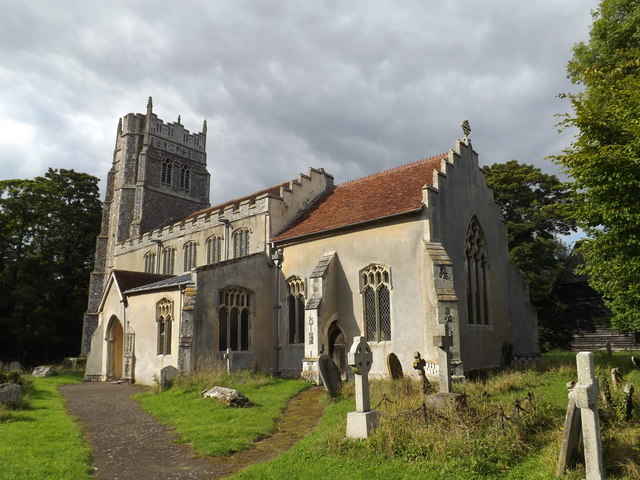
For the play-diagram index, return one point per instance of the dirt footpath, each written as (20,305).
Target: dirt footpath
(129,444)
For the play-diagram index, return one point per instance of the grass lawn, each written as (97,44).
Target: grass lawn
(43,442)
(213,428)
(415,451)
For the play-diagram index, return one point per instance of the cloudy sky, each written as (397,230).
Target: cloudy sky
(354,87)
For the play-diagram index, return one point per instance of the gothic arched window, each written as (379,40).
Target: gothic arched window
(214,249)
(295,304)
(234,323)
(185,178)
(240,242)
(375,284)
(168,260)
(476,266)
(150,262)
(167,172)
(164,317)
(190,255)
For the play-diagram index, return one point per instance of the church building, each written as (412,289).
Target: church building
(276,278)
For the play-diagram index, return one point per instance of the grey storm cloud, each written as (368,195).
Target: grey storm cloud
(353,87)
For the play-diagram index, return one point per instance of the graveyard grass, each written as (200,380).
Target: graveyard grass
(408,445)
(183,407)
(41,441)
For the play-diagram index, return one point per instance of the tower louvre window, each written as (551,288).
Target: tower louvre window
(167,172)
(185,178)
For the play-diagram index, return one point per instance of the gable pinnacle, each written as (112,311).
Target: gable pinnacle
(466,129)
(150,104)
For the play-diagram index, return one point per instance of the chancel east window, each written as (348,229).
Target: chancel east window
(240,242)
(234,319)
(168,260)
(190,255)
(375,284)
(295,304)
(214,249)
(150,262)
(167,172)
(164,317)
(476,269)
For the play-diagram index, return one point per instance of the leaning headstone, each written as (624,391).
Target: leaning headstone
(231,397)
(15,367)
(10,393)
(585,396)
(43,371)
(330,375)
(362,422)
(394,367)
(167,375)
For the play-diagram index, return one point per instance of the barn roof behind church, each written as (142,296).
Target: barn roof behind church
(376,196)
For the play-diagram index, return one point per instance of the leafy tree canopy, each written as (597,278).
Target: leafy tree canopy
(48,227)
(604,158)
(535,207)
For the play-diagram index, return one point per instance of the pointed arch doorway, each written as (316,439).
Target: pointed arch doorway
(114,340)
(338,348)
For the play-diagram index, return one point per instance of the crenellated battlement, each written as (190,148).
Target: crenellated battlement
(176,133)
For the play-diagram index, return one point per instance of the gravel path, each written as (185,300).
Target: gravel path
(129,444)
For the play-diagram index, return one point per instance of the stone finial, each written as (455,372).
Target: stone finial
(120,125)
(178,122)
(204,127)
(150,105)
(466,129)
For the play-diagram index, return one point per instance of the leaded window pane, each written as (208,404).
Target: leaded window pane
(300,314)
(370,314)
(233,329)
(222,329)
(291,304)
(244,330)
(385,313)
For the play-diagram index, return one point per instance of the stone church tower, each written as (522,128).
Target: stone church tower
(159,175)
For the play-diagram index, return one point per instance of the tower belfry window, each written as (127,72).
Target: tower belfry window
(167,172)
(185,178)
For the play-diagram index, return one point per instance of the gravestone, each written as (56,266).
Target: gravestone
(227,357)
(394,367)
(15,367)
(167,375)
(43,371)
(363,421)
(10,393)
(330,375)
(584,397)
(445,398)
(232,397)
(419,363)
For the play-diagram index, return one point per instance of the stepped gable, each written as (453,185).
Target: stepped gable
(271,191)
(383,194)
(127,279)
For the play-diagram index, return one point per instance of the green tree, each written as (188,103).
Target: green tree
(536,209)
(604,158)
(48,227)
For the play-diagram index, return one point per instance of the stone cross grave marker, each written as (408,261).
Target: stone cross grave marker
(329,374)
(584,396)
(419,363)
(444,342)
(363,421)
(394,367)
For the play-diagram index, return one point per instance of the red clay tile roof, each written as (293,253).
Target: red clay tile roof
(380,195)
(271,191)
(127,279)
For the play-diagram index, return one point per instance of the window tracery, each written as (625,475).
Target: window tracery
(168,260)
(214,249)
(190,255)
(296,304)
(240,242)
(476,269)
(150,262)
(234,319)
(375,283)
(164,318)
